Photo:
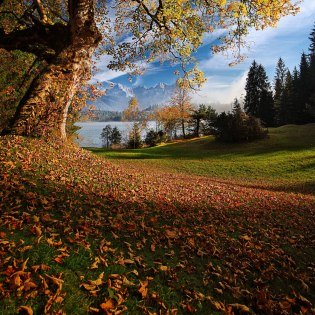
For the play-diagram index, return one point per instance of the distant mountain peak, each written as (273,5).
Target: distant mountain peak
(129,92)
(117,96)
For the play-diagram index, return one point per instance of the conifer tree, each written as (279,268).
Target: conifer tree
(266,104)
(115,136)
(252,93)
(106,135)
(279,86)
(236,106)
(312,44)
(303,91)
(312,75)
(287,109)
(258,98)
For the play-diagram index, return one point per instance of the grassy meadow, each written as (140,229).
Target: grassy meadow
(286,160)
(193,227)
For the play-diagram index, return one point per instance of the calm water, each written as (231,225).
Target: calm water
(90,132)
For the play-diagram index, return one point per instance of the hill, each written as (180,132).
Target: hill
(81,234)
(284,161)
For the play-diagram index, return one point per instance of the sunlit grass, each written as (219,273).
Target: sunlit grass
(287,157)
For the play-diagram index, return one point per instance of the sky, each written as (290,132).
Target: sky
(288,40)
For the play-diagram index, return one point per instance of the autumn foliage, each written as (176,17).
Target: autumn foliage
(81,235)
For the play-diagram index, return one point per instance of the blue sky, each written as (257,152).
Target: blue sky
(224,83)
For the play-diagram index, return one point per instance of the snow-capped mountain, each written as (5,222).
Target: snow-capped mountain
(117,96)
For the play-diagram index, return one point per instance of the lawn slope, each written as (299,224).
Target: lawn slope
(284,161)
(80,234)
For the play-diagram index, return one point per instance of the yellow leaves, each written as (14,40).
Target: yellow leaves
(93,285)
(237,8)
(95,263)
(164,268)
(98,281)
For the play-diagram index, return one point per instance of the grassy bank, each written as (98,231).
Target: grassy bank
(286,160)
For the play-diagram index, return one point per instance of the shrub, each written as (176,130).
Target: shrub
(154,138)
(238,127)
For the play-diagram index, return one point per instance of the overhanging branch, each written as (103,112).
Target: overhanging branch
(44,42)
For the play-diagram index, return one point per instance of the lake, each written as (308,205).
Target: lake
(90,132)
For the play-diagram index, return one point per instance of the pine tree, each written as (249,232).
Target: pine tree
(258,98)
(312,39)
(288,100)
(135,140)
(236,106)
(295,95)
(266,104)
(106,135)
(252,93)
(303,90)
(279,86)
(312,75)
(115,136)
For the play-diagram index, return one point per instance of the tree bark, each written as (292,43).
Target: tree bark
(43,110)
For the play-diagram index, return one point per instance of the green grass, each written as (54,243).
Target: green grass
(286,158)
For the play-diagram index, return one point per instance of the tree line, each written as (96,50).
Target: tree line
(292,99)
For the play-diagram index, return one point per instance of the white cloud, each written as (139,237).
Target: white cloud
(217,90)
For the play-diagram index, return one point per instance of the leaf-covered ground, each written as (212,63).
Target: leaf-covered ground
(79,234)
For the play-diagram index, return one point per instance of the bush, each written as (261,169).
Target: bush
(238,127)
(154,138)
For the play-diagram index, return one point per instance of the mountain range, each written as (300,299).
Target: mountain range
(117,96)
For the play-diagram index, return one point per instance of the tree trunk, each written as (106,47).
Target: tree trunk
(197,127)
(43,110)
(183,128)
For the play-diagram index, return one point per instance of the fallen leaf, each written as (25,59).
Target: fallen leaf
(25,310)
(171,234)
(143,290)
(108,305)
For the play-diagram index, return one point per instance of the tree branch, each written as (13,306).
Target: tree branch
(44,42)
(41,11)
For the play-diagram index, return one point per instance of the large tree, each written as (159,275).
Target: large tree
(182,100)
(64,34)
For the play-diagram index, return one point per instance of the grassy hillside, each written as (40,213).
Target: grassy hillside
(80,234)
(286,160)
